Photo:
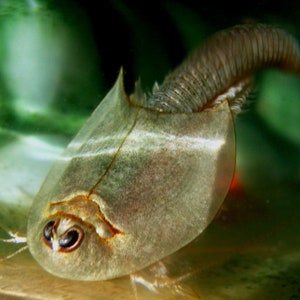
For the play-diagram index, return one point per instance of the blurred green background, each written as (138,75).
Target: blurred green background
(58,59)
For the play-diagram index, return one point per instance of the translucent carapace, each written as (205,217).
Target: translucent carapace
(146,175)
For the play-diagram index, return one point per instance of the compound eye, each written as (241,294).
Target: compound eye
(48,231)
(70,240)
(61,236)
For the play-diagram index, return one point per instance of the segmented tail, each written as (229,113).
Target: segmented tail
(220,68)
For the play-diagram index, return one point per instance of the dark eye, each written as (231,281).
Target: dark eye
(59,235)
(69,239)
(48,229)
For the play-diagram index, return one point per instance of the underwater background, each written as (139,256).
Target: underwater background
(58,59)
